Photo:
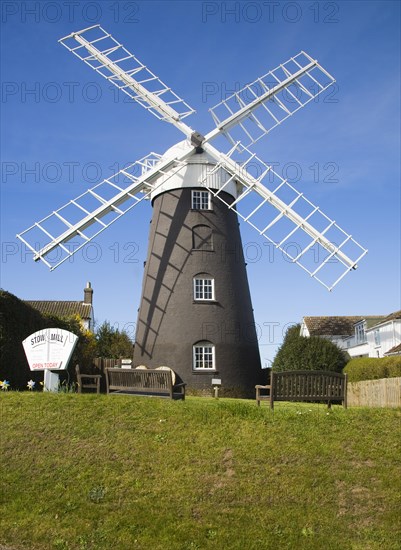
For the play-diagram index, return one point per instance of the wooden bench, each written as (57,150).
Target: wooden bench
(87,380)
(151,382)
(313,386)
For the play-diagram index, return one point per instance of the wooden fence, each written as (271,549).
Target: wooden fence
(385,392)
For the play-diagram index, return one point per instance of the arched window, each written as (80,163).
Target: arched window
(203,356)
(203,287)
(202,237)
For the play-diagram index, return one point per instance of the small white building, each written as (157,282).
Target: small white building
(336,329)
(385,337)
(360,336)
(358,344)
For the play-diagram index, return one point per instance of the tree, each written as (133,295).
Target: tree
(112,342)
(313,353)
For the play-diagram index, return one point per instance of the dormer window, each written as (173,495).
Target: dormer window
(360,334)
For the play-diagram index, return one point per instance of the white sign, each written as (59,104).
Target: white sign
(49,349)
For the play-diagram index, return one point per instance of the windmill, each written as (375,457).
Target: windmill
(195,313)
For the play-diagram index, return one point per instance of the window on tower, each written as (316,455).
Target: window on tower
(202,237)
(203,287)
(201,200)
(203,356)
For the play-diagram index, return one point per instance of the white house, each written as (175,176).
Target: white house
(336,329)
(360,336)
(385,337)
(358,344)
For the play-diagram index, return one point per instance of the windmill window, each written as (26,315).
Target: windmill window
(203,288)
(203,356)
(202,237)
(201,200)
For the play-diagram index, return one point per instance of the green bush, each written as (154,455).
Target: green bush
(371,368)
(314,353)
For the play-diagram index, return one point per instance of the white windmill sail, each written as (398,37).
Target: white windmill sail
(89,214)
(286,218)
(275,209)
(252,112)
(104,54)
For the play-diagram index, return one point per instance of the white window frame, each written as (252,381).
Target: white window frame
(203,353)
(202,286)
(200,200)
(360,334)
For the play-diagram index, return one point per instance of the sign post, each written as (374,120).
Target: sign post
(216,383)
(50,350)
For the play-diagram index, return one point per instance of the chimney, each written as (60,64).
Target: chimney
(88,294)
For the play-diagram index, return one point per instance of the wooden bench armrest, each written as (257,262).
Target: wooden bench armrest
(87,380)
(180,387)
(259,387)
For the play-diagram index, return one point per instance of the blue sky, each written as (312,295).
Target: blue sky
(63,129)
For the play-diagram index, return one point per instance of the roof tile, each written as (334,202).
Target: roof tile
(61,308)
(336,326)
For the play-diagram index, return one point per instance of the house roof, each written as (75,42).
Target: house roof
(394,350)
(373,321)
(61,308)
(392,316)
(331,326)
(339,326)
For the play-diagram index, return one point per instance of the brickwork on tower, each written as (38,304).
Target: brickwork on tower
(196,314)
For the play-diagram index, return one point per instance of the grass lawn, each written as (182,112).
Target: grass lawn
(123,472)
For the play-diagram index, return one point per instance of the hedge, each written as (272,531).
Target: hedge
(371,368)
(17,321)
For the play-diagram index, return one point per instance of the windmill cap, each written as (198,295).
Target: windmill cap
(194,172)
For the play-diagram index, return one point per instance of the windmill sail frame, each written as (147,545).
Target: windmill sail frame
(278,197)
(140,189)
(253,111)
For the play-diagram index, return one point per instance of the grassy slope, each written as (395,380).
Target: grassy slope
(122,472)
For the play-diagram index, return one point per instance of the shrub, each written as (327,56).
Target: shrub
(371,368)
(314,353)
(112,342)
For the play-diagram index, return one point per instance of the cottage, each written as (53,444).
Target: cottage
(62,308)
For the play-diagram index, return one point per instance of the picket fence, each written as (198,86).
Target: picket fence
(385,392)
